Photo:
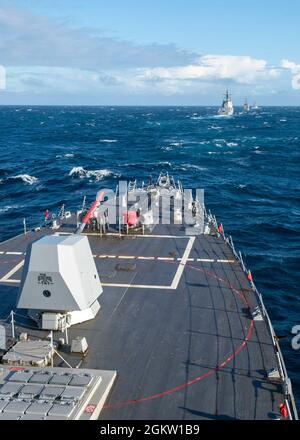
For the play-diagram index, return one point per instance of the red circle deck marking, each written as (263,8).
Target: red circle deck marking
(208,373)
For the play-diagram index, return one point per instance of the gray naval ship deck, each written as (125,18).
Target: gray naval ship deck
(178,322)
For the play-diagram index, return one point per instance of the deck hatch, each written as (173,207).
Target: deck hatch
(81,380)
(51,392)
(16,407)
(3,404)
(43,378)
(39,408)
(30,391)
(9,390)
(60,379)
(73,393)
(20,376)
(62,409)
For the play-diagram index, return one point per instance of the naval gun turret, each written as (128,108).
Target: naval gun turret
(60,284)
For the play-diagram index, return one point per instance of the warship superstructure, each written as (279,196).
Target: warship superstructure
(151,316)
(227,108)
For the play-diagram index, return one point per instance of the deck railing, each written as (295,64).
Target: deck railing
(286,382)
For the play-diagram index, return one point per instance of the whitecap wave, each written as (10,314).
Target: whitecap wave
(26,178)
(108,141)
(90,174)
(9,208)
(194,167)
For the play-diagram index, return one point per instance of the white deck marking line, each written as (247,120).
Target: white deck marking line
(188,259)
(182,264)
(14,253)
(206,260)
(126,257)
(138,286)
(146,258)
(14,270)
(1,252)
(10,281)
(165,258)
(225,261)
(176,279)
(145,236)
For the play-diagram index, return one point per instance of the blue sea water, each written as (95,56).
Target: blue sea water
(247,164)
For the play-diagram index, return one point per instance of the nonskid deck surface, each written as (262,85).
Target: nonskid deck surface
(175,323)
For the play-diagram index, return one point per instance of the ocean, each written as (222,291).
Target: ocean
(248,165)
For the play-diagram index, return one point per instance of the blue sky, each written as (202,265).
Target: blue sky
(149,52)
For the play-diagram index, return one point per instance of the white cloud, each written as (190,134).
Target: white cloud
(241,69)
(47,57)
(187,79)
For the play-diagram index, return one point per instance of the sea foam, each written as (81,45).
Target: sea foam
(90,174)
